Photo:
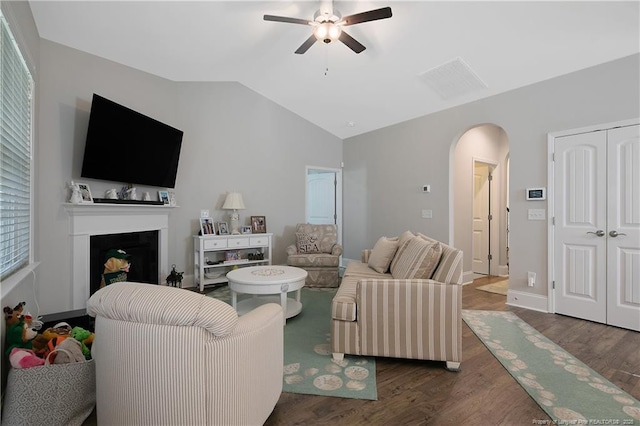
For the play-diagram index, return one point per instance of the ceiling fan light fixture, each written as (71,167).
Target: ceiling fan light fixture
(327,32)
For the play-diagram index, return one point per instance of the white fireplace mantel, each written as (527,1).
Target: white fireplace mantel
(86,220)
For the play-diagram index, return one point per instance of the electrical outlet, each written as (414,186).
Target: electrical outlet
(204,213)
(531,278)
(426,188)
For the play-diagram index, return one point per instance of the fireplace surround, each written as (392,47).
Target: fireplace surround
(87,220)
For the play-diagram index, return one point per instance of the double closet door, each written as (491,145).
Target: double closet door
(597,226)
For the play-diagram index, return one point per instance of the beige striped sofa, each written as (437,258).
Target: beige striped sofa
(169,356)
(375,314)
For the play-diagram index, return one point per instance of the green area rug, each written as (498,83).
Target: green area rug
(308,365)
(566,389)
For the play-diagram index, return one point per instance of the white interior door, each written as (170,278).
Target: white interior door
(623,231)
(321,197)
(480,243)
(580,194)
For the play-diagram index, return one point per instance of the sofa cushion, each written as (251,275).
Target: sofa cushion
(382,254)
(307,243)
(344,307)
(416,259)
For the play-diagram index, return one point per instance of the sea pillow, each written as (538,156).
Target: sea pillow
(416,259)
(307,243)
(382,254)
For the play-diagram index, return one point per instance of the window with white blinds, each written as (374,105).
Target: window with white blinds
(16,86)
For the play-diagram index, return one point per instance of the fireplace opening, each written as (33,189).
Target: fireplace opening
(142,247)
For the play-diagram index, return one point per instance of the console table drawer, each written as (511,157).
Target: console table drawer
(214,244)
(259,241)
(238,242)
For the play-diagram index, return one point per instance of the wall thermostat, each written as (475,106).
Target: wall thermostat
(536,194)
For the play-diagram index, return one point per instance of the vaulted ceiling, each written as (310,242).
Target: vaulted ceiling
(428,57)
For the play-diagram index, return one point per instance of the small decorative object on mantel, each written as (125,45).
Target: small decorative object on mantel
(85,193)
(76,197)
(164,197)
(175,278)
(111,194)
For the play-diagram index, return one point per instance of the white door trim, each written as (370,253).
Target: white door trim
(551,137)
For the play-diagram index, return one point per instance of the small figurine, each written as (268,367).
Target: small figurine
(175,278)
(111,194)
(76,196)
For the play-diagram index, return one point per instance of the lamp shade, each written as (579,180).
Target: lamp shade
(233,201)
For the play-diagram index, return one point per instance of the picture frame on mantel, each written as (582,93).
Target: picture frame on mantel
(85,193)
(164,197)
(258,224)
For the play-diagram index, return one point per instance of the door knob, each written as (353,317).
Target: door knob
(615,233)
(599,233)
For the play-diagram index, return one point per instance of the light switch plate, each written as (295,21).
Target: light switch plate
(536,214)
(427,214)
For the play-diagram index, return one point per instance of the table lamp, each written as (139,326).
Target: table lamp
(234,202)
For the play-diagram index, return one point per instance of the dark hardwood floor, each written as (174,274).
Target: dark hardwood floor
(423,393)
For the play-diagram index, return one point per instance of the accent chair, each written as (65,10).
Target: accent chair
(170,356)
(317,251)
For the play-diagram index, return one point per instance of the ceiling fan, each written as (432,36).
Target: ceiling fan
(327,25)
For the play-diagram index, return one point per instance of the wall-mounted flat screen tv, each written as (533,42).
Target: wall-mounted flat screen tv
(126,146)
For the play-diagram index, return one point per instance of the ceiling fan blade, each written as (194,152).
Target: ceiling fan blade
(372,15)
(351,42)
(287,20)
(306,45)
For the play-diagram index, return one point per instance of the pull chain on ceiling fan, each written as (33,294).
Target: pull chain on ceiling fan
(327,25)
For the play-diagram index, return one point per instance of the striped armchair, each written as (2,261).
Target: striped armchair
(169,356)
(375,314)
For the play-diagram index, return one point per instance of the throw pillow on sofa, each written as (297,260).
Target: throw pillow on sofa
(416,259)
(382,254)
(307,243)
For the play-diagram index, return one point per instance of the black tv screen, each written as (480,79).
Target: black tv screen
(126,146)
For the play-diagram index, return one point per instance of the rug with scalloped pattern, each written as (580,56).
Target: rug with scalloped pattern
(569,391)
(308,365)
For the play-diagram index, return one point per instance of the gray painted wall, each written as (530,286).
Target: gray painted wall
(235,140)
(385,169)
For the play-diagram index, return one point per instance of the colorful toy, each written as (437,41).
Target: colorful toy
(82,335)
(20,334)
(116,267)
(12,316)
(24,358)
(40,343)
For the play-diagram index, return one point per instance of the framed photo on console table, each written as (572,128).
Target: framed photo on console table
(258,224)
(223,228)
(206,226)
(245,230)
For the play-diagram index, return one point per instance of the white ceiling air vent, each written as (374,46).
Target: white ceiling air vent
(452,79)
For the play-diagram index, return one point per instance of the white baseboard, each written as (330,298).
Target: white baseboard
(525,300)
(503,270)
(467,277)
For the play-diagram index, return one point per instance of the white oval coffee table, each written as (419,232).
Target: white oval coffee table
(272,280)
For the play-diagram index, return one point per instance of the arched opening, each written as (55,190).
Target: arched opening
(479,202)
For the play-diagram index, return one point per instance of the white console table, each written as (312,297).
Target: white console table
(210,255)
